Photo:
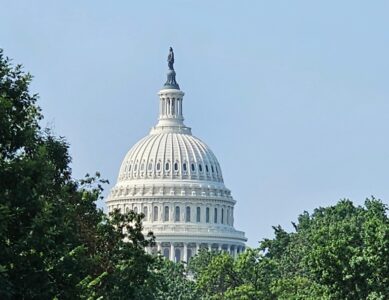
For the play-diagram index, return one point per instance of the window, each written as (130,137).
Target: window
(215,216)
(142,166)
(187,215)
(207,215)
(212,169)
(175,166)
(198,216)
(150,166)
(158,166)
(184,167)
(145,212)
(177,216)
(193,167)
(155,214)
(200,168)
(135,210)
(167,166)
(166,253)
(129,168)
(177,256)
(206,168)
(222,216)
(166,214)
(135,167)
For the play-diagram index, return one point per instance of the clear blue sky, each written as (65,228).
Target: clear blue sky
(292,96)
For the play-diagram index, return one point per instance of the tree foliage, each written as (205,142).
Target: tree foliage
(337,252)
(54,242)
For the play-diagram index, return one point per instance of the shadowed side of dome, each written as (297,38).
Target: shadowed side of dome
(170,155)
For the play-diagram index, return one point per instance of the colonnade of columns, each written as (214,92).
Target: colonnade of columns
(183,251)
(171,107)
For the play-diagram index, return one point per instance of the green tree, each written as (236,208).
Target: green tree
(171,281)
(54,242)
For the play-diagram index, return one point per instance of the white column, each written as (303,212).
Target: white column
(172,254)
(197,248)
(185,252)
(159,247)
(210,247)
(235,251)
(220,247)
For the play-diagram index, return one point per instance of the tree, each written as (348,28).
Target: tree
(54,242)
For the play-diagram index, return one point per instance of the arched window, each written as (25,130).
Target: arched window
(215,215)
(150,167)
(158,166)
(184,167)
(166,214)
(177,216)
(135,167)
(142,166)
(212,169)
(135,209)
(177,256)
(167,166)
(193,168)
(145,212)
(198,216)
(166,253)
(206,168)
(187,215)
(129,168)
(200,168)
(222,221)
(207,215)
(175,166)
(155,213)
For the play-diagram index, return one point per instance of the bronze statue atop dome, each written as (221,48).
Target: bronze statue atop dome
(170,59)
(171,82)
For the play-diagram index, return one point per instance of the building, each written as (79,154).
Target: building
(176,181)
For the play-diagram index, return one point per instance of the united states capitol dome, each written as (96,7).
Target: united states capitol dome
(175,180)
(170,155)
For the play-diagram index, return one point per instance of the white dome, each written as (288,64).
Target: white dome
(170,155)
(175,180)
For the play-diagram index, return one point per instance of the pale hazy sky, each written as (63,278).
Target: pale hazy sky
(291,96)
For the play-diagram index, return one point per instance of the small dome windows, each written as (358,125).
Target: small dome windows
(184,160)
